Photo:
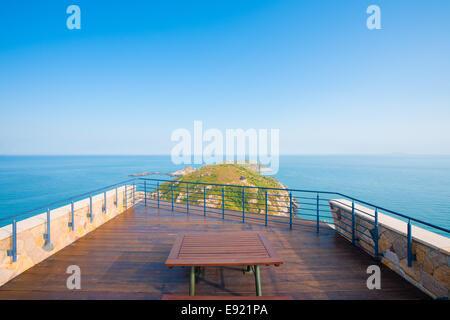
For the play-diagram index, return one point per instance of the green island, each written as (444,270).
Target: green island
(234,177)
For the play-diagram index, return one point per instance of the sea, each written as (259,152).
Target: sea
(414,185)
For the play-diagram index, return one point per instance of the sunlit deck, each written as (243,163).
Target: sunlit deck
(124,259)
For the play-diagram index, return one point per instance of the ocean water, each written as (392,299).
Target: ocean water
(418,186)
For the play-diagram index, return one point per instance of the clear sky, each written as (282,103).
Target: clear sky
(137,70)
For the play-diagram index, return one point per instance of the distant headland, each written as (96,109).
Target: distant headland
(254,166)
(233,176)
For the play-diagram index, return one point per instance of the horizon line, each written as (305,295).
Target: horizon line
(284,154)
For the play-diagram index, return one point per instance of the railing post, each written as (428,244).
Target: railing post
(266,208)
(145,193)
(47,236)
(91,211)
(72,217)
(172,194)
(134,193)
(157,192)
(243,204)
(13,252)
(290,210)
(204,200)
(104,200)
(126,197)
(117,198)
(376,234)
(187,197)
(353,221)
(409,245)
(317,214)
(223,202)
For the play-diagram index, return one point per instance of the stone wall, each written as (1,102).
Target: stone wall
(430,270)
(30,240)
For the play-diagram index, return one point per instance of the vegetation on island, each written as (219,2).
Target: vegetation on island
(234,177)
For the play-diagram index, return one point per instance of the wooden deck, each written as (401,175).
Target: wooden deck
(124,259)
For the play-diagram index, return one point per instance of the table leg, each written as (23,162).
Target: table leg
(199,272)
(249,270)
(258,282)
(192,282)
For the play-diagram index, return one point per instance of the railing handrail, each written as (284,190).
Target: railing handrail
(312,191)
(396,213)
(235,185)
(231,185)
(65,200)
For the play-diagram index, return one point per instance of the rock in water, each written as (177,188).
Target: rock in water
(183,172)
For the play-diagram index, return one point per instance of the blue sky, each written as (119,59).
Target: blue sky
(137,70)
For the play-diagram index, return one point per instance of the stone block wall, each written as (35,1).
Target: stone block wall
(430,270)
(30,231)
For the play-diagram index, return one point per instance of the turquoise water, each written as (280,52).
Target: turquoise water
(418,186)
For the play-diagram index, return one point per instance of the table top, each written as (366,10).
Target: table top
(222,249)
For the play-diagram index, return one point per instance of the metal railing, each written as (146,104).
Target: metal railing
(288,206)
(14,219)
(269,205)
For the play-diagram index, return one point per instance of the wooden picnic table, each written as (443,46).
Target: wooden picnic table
(243,248)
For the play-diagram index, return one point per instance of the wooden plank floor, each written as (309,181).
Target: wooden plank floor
(124,259)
